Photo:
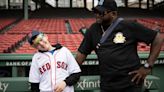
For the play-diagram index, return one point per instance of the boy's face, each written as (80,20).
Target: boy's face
(41,42)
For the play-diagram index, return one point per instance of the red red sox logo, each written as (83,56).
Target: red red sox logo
(47,66)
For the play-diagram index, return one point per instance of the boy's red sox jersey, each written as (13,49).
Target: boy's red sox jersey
(50,69)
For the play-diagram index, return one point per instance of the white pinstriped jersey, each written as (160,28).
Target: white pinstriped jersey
(49,69)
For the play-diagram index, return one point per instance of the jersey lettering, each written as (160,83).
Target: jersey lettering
(44,68)
(40,69)
(48,66)
(62,65)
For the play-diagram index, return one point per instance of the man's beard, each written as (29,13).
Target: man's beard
(99,20)
(102,22)
(105,22)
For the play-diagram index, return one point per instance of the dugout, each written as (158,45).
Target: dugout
(15,68)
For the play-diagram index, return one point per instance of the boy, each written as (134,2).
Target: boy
(53,68)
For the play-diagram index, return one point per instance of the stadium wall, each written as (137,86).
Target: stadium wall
(17,65)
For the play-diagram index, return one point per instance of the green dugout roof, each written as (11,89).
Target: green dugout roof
(3,56)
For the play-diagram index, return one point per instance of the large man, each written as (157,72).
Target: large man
(120,67)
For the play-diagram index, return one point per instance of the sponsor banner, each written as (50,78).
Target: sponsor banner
(15,63)
(17,84)
(85,83)
(88,83)
(87,62)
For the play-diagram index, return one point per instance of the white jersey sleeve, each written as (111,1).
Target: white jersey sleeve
(34,73)
(73,66)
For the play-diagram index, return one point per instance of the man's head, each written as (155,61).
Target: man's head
(105,11)
(39,40)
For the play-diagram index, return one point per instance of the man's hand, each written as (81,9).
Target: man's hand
(60,86)
(139,74)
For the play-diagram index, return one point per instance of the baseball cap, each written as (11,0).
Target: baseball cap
(33,35)
(105,5)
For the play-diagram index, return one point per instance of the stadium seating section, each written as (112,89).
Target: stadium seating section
(5,22)
(15,39)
